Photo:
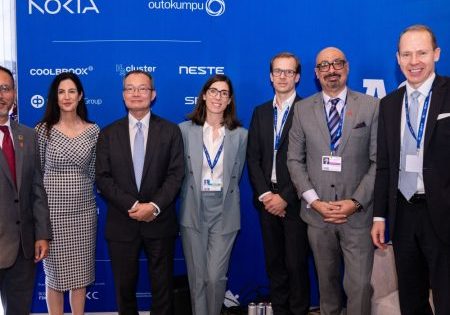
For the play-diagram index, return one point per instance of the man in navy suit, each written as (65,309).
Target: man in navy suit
(412,185)
(283,231)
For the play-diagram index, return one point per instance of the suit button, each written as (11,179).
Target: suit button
(231,191)
(16,200)
(17,222)
(191,172)
(233,176)
(332,186)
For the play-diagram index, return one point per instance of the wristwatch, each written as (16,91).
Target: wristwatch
(358,205)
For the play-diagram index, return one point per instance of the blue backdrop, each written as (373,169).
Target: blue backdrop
(182,42)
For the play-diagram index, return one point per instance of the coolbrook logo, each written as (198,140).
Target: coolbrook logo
(65,6)
(212,7)
(37,101)
(200,70)
(122,70)
(56,71)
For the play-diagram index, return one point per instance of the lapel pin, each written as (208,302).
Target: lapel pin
(20,138)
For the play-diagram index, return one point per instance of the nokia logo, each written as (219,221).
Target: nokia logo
(200,70)
(56,71)
(58,6)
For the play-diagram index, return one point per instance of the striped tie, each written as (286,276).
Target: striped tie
(333,123)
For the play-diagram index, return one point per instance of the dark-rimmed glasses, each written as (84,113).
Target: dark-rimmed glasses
(214,92)
(287,72)
(324,66)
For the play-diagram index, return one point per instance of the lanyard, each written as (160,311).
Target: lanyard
(283,121)
(341,123)
(423,117)
(216,159)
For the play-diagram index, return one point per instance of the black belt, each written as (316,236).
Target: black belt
(274,187)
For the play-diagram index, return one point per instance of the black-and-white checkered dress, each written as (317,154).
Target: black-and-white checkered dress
(69,171)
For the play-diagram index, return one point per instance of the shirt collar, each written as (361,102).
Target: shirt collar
(208,128)
(8,124)
(424,89)
(342,96)
(288,102)
(145,120)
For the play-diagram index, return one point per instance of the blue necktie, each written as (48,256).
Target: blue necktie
(408,180)
(138,154)
(333,123)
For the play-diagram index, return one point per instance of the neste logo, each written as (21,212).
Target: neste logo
(57,6)
(212,7)
(200,70)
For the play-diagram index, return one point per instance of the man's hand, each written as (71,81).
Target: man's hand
(378,229)
(275,205)
(144,212)
(41,248)
(346,206)
(330,212)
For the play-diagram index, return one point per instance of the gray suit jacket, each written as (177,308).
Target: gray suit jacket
(235,146)
(309,140)
(23,210)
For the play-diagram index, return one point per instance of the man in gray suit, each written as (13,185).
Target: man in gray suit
(338,126)
(25,223)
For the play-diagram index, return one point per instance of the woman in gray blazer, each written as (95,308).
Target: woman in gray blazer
(214,151)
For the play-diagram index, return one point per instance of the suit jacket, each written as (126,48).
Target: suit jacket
(309,140)
(436,171)
(233,161)
(23,210)
(260,157)
(161,178)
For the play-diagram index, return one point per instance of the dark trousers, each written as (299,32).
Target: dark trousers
(286,255)
(16,286)
(125,266)
(422,261)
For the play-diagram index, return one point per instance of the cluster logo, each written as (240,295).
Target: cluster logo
(37,101)
(56,71)
(122,70)
(66,6)
(200,70)
(212,7)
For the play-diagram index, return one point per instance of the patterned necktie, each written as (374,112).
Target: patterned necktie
(8,151)
(333,123)
(138,154)
(408,180)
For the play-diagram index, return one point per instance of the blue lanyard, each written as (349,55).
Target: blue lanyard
(422,119)
(283,121)
(341,123)
(216,159)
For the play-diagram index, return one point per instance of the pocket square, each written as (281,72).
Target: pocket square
(360,125)
(443,115)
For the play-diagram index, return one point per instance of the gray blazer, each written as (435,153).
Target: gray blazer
(23,210)
(235,146)
(309,140)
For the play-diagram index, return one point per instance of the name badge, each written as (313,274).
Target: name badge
(413,163)
(331,163)
(212,185)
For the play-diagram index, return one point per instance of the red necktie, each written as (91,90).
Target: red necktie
(8,151)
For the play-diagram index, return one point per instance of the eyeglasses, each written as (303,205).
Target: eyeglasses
(5,88)
(214,92)
(141,89)
(324,66)
(287,72)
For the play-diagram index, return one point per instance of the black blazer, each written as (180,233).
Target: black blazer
(436,169)
(260,157)
(161,179)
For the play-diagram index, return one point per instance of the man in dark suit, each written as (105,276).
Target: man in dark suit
(412,186)
(25,222)
(283,231)
(338,126)
(140,168)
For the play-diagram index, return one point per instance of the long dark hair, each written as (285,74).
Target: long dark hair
(52,111)
(198,116)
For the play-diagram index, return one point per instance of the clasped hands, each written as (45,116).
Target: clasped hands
(274,204)
(336,212)
(144,212)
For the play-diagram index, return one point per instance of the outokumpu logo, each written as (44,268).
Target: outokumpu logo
(212,7)
(62,6)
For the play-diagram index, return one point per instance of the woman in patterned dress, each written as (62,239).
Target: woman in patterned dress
(67,148)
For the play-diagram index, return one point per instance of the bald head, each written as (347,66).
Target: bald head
(332,70)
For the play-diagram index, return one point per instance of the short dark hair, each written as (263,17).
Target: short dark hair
(419,27)
(285,54)
(8,72)
(52,111)
(198,116)
(148,75)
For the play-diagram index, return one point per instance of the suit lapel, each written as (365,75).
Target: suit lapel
(351,112)
(196,155)
(153,136)
(123,134)
(287,125)
(321,119)
(230,147)
(5,169)
(392,121)
(437,100)
(18,151)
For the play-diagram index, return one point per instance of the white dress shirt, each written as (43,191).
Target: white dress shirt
(212,145)
(133,129)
